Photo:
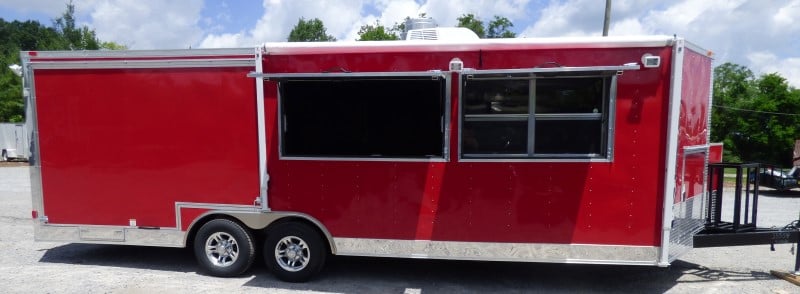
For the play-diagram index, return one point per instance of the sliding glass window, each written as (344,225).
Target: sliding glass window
(537,115)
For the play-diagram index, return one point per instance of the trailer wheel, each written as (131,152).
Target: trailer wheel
(294,252)
(4,156)
(224,248)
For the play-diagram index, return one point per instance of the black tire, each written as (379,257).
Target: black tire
(4,156)
(294,252)
(224,248)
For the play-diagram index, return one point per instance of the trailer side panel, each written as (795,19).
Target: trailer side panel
(121,147)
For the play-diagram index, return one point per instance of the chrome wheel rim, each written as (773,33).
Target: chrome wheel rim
(292,254)
(222,249)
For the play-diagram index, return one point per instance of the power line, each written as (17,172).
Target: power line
(756,111)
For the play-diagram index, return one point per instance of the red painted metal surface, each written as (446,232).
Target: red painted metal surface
(127,144)
(693,123)
(616,202)
(715,153)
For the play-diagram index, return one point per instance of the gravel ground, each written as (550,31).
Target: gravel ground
(48,267)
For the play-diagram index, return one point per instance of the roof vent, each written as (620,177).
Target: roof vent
(420,23)
(442,34)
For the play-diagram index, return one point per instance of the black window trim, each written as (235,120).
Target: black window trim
(610,72)
(432,74)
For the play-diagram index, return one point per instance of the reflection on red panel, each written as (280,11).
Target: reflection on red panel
(693,175)
(693,123)
(128,144)
(617,202)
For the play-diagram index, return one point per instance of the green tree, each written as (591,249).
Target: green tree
(112,46)
(19,36)
(377,32)
(733,84)
(309,31)
(16,36)
(75,38)
(472,22)
(756,118)
(500,27)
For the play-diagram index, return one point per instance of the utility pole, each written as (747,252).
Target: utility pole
(607,19)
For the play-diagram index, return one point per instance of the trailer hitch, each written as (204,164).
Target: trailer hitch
(794,226)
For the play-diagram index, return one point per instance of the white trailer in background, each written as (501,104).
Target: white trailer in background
(13,142)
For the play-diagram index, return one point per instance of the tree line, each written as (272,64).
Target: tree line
(313,30)
(756,117)
(16,36)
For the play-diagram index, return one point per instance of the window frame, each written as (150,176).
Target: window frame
(607,117)
(433,75)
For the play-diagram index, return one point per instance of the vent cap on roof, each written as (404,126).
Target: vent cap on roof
(442,34)
(420,23)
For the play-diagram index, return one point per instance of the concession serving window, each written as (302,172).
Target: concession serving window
(362,115)
(548,113)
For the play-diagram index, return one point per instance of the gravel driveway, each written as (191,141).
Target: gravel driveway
(47,267)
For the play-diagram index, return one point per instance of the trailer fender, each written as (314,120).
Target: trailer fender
(258,220)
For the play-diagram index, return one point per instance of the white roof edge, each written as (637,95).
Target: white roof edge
(200,52)
(615,41)
(697,48)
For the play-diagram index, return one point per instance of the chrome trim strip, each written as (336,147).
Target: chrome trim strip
(469,72)
(251,216)
(117,235)
(612,117)
(140,53)
(158,63)
(496,117)
(299,48)
(695,149)
(531,118)
(460,103)
(263,175)
(435,74)
(672,148)
(569,116)
(448,93)
(372,159)
(35,161)
(210,206)
(532,160)
(491,251)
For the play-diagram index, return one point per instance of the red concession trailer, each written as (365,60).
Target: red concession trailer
(565,150)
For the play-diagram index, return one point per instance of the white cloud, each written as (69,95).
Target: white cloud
(227,41)
(149,24)
(445,12)
(737,31)
(767,62)
(344,19)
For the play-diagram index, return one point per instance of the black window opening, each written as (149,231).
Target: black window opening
(547,116)
(363,117)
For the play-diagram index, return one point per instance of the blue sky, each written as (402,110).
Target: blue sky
(763,35)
